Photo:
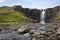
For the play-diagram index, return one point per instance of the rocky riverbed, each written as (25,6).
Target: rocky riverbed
(31,31)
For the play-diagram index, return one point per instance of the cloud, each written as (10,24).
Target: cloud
(42,4)
(2,1)
(27,0)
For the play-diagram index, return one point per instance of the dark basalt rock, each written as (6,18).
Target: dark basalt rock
(31,13)
(51,13)
(35,13)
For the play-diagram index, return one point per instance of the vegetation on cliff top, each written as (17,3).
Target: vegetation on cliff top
(10,16)
(56,19)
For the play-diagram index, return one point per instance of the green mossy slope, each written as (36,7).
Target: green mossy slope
(9,16)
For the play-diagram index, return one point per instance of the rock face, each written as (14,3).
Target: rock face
(35,13)
(31,13)
(52,13)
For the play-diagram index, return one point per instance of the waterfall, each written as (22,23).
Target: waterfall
(42,29)
(42,17)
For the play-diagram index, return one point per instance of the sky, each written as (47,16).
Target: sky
(39,4)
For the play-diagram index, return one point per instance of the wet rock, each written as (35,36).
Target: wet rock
(4,39)
(51,32)
(39,36)
(42,30)
(58,37)
(3,32)
(14,39)
(32,31)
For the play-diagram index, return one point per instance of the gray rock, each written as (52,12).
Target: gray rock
(58,31)
(23,29)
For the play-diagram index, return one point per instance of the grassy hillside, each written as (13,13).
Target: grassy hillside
(9,16)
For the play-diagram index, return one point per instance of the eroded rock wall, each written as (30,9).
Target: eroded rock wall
(34,14)
(31,13)
(52,13)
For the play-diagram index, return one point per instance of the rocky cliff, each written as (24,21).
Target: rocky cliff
(53,14)
(31,13)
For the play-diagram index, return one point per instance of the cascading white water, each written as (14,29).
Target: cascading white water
(42,29)
(42,18)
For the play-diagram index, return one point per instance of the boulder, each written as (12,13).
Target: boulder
(23,29)
(37,34)
(58,31)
